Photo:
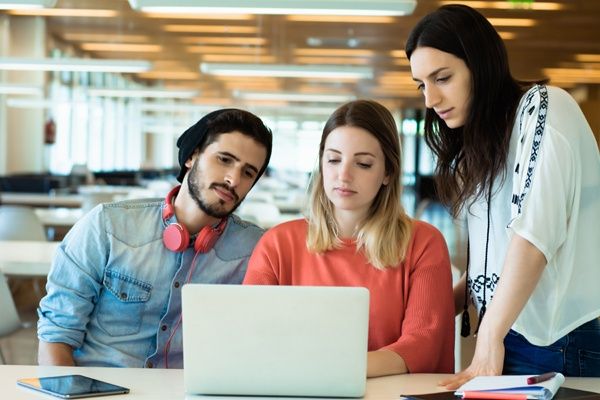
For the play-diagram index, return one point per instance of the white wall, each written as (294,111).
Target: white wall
(21,136)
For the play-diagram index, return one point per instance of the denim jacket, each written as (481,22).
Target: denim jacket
(114,290)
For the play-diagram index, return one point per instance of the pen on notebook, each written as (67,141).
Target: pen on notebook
(532,380)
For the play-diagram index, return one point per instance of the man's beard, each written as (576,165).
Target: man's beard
(195,189)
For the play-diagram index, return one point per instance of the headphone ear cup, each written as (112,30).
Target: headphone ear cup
(176,238)
(207,237)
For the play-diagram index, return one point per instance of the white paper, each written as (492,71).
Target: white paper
(515,384)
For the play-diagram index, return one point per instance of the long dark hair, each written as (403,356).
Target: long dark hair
(471,157)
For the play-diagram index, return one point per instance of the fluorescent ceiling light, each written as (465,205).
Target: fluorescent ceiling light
(43,103)
(287,96)
(144,93)
(10,88)
(591,58)
(347,19)
(238,58)
(26,4)
(288,71)
(73,64)
(174,107)
(122,47)
(517,22)
(226,29)
(510,5)
(66,12)
(282,7)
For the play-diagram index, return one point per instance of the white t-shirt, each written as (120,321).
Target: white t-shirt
(559,214)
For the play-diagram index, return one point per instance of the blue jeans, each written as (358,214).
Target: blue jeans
(576,354)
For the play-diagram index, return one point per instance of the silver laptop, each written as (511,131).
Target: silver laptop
(275,340)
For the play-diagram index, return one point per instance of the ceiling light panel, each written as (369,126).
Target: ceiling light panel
(509,5)
(345,19)
(288,71)
(332,60)
(229,17)
(226,50)
(11,88)
(233,40)
(66,12)
(211,29)
(289,96)
(104,37)
(514,22)
(73,64)
(122,47)
(144,93)
(26,4)
(334,52)
(238,58)
(281,7)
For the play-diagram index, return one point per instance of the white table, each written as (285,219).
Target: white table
(59,217)
(168,384)
(41,199)
(26,258)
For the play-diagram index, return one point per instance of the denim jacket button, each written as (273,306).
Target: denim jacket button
(176,284)
(149,364)
(123,295)
(163,327)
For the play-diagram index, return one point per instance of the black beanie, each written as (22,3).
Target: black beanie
(195,136)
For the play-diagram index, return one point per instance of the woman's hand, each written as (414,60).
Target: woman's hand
(487,360)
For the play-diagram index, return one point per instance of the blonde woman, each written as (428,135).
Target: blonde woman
(358,234)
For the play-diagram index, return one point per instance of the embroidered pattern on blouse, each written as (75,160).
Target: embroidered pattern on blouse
(537,138)
(476,287)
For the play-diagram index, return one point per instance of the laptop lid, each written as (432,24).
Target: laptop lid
(275,340)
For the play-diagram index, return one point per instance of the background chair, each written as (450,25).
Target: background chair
(21,223)
(10,321)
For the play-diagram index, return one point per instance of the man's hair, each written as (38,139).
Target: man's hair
(385,232)
(211,126)
(472,156)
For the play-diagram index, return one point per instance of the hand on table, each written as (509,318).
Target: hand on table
(488,360)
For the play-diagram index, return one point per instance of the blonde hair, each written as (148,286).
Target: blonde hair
(384,234)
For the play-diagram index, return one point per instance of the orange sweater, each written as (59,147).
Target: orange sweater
(411,305)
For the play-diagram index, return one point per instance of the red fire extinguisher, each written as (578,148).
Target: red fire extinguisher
(49,131)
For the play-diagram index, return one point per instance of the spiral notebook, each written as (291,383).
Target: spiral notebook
(510,387)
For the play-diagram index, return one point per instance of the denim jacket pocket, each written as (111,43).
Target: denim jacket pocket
(121,304)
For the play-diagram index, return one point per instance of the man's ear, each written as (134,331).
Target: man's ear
(190,161)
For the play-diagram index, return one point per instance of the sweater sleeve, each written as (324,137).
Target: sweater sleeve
(426,343)
(263,264)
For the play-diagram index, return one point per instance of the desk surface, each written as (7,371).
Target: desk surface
(42,199)
(59,217)
(27,251)
(168,384)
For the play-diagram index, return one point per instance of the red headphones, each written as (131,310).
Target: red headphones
(177,238)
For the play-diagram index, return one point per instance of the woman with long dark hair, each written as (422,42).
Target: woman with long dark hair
(521,162)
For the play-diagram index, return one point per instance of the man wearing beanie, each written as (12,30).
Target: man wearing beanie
(114,290)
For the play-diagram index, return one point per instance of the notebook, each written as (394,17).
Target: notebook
(275,340)
(510,387)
